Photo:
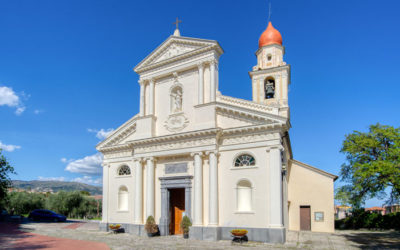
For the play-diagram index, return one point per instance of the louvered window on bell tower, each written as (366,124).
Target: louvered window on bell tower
(269,86)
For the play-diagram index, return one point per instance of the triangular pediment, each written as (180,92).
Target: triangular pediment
(175,48)
(120,135)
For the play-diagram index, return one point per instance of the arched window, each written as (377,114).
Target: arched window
(176,99)
(124,170)
(244,195)
(245,160)
(123,198)
(269,87)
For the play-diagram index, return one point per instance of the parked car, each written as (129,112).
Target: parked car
(48,215)
(3,215)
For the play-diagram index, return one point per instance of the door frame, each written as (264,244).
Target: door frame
(174,182)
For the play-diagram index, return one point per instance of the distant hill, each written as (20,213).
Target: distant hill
(55,186)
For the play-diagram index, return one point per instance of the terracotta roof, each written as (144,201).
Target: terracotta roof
(374,209)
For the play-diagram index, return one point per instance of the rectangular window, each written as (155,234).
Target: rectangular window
(319,216)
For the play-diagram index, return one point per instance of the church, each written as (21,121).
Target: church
(225,162)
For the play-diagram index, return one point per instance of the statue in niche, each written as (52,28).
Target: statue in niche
(176,100)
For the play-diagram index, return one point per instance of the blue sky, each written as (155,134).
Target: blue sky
(66,72)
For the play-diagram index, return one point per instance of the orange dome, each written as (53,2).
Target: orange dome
(270,36)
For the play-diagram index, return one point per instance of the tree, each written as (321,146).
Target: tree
(5,170)
(372,165)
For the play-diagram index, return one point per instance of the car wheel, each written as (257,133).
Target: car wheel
(55,220)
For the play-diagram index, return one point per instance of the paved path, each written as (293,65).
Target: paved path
(88,232)
(11,237)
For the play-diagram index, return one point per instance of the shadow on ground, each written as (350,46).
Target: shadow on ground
(375,240)
(11,233)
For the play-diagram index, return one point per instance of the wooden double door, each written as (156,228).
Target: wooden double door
(176,210)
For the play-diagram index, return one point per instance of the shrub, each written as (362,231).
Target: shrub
(361,219)
(185,224)
(151,226)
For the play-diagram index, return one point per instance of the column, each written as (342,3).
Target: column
(275,186)
(201,84)
(151,97)
(213,187)
(105,193)
(198,190)
(138,211)
(141,82)
(212,81)
(150,187)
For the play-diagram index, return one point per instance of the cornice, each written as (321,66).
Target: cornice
(273,127)
(174,137)
(246,104)
(271,70)
(271,45)
(251,113)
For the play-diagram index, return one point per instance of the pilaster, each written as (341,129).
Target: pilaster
(200,97)
(141,112)
(150,187)
(138,211)
(275,187)
(106,170)
(198,189)
(213,189)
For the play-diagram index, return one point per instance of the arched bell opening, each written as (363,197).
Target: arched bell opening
(269,87)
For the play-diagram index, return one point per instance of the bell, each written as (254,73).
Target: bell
(269,92)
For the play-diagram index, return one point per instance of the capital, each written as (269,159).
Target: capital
(196,153)
(150,158)
(200,65)
(215,152)
(141,81)
(138,159)
(279,147)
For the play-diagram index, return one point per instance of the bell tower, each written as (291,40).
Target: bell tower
(271,76)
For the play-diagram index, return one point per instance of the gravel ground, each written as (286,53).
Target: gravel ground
(295,240)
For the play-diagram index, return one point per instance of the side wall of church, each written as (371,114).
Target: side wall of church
(310,188)
(257,213)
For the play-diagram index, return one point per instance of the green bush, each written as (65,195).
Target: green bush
(185,224)
(71,204)
(361,219)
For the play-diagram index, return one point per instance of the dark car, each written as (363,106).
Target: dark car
(48,215)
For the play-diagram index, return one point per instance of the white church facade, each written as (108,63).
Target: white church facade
(224,162)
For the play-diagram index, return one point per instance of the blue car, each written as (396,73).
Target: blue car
(43,214)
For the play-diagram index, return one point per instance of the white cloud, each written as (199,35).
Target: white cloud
(89,165)
(102,133)
(88,180)
(41,178)
(65,160)
(37,111)
(9,148)
(9,98)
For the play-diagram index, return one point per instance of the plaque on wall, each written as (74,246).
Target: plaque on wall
(176,168)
